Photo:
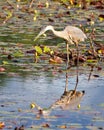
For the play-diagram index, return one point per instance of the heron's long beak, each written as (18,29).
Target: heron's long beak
(36,37)
(42,32)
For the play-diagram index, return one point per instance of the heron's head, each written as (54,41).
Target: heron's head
(49,27)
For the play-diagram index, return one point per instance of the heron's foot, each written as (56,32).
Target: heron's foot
(66,90)
(74,92)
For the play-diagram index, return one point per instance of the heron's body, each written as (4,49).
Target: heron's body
(72,35)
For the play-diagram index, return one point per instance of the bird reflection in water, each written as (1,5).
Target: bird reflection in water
(68,100)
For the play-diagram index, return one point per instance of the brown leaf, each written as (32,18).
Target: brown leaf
(81,59)
(96,76)
(46,125)
(56,59)
(50,20)
(2,69)
(99,68)
(63,126)
(2,124)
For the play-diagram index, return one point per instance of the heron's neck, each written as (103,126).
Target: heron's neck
(58,33)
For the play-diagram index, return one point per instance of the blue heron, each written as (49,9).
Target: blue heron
(72,35)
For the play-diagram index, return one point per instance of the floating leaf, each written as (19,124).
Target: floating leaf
(38,50)
(51,52)
(32,105)
(5,62)
(91,61)
(78,106)
(46,125)
(46,49)
(92,22)
(35,17)
(35,11)
(101,17)
(72,2)
(18,54)
(99,51)
(47,4)
(62,126)
(9,14)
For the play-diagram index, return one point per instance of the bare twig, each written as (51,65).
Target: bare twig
(92,67)
(11,4)
(31,3)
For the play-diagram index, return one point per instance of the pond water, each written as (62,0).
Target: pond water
(18,92)
(25,82)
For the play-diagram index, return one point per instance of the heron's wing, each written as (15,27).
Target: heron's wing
(75,33)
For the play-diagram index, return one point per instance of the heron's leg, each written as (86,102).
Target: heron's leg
(92,47)
(77,77)
(67,49)
(66,83)
(92,67)
(67,64)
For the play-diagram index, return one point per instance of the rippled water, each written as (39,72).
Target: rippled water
(19,92)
